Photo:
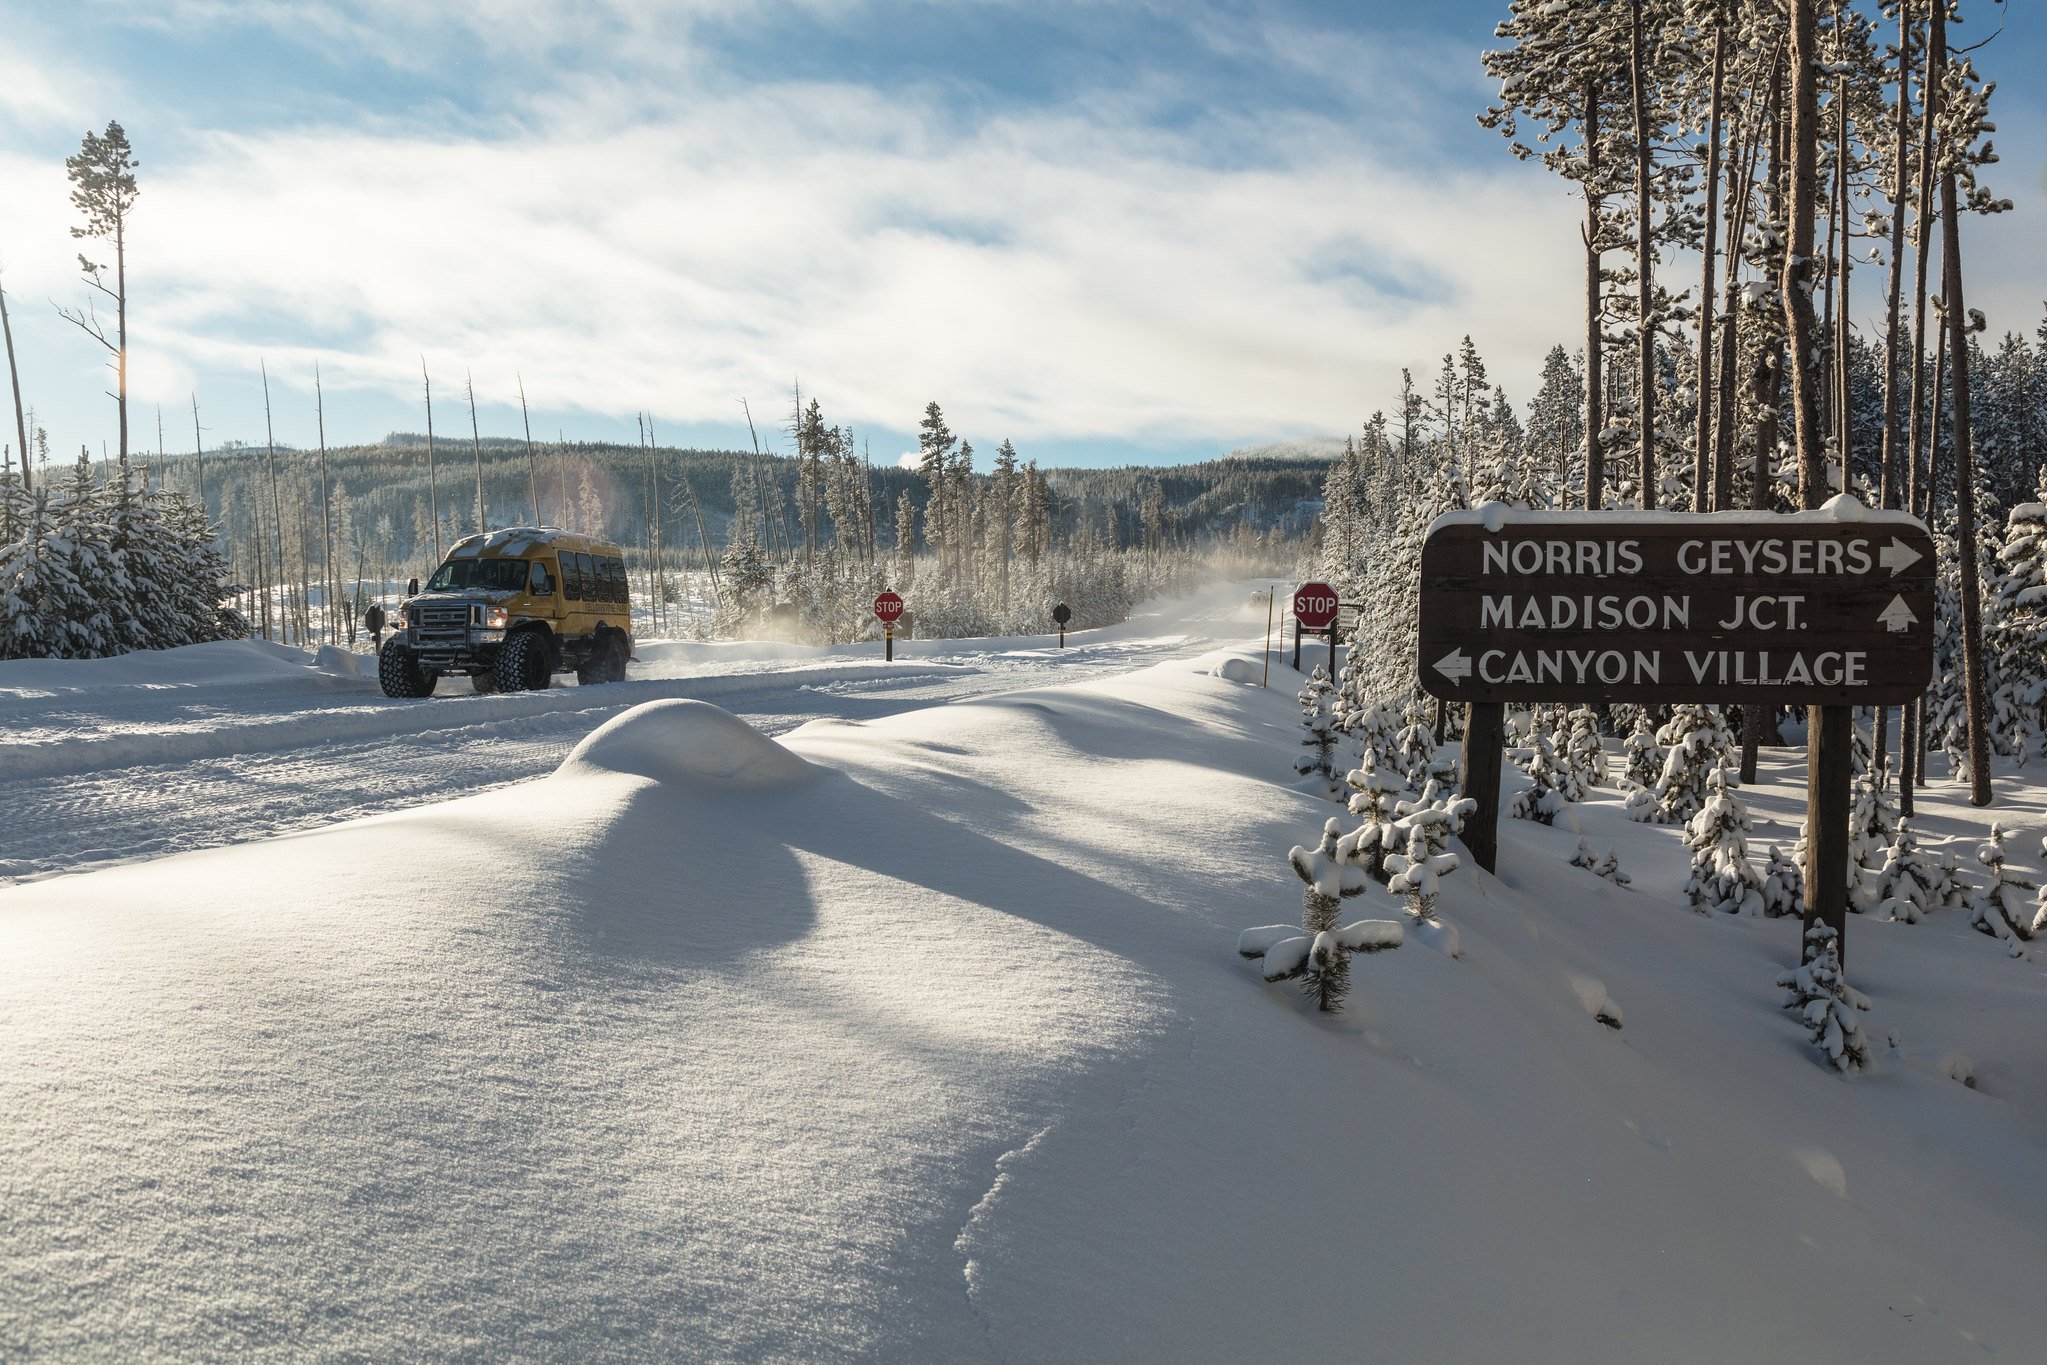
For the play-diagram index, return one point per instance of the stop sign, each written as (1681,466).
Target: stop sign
(888,607)
(1315,606)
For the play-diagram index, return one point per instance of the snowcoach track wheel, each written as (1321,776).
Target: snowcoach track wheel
(400,674)
(522,664)
(607,661)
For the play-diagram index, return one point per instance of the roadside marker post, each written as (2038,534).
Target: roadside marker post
(1830,609)
(1062,614)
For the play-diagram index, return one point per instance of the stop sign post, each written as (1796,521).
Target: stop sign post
(888,609)
(1315,608)
(1062,614)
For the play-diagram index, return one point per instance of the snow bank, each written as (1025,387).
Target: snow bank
(682,740)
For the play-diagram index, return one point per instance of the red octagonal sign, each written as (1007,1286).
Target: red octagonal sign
(888,606)
(1315,606)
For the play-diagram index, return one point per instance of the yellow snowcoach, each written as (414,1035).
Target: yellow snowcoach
(511,609)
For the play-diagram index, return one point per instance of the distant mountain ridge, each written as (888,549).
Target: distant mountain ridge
(1296,448)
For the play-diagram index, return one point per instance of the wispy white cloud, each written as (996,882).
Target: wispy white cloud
(1078,269)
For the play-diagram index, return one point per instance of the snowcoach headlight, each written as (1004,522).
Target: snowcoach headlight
(400,619)
(497,618)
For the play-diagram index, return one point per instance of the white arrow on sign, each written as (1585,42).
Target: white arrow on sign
(1456,667)
(1896,556)
(1897,616)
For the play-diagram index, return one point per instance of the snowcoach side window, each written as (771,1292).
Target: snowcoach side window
(614,579)
(572,576)
(539,584)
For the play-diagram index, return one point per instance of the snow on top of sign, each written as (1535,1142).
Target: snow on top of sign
(1497,516)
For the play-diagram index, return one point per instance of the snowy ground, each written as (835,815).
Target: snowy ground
(921,1038)
(117,759)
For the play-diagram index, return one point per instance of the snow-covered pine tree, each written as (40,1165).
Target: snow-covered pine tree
(1998,907)
(1696,743)
(1783,885)
(1319,720)
(1439,813)
(1375,793)
(1819,994)
(1873,817)
(1415,747)
(1542,801)
(2015,627)
(1318,953)
(1722,877)
(1909,882)
(1607,864)
(1645,755)
(1418,872)
(1583,758)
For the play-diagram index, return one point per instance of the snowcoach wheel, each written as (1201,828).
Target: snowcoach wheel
(484,683)
(522,663)
(400,674)
(606,664)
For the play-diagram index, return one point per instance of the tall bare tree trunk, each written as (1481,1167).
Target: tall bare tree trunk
(1645,261)
(1844,412)
(14,377)
(276,502)
(328,580)
(1893,474)
(532,463)
(476,445)
(1917,454)
(433,486)
(1957,319)
(1702,467)
(1798,260)
(121,323)
(199,455)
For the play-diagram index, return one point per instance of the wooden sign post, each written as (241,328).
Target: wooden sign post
(1831,609)
(888,609)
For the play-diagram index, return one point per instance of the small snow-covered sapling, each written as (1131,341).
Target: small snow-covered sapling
(1998,907)
(1783,886)
(1820,995)
(1722,877)
(1607,864)
(1909,883)
(1418,873)
(1318,718)
(1318,953)
(1374,797)
(1544,799)
(1872,819)
(1645,755)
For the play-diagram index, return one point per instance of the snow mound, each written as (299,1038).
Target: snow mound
(1236,670)
(679,740)
(334,659)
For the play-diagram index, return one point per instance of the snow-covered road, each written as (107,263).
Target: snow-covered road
(114,760)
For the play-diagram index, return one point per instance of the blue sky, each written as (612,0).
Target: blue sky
(1111,232)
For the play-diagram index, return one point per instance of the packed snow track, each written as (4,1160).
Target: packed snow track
(113,760)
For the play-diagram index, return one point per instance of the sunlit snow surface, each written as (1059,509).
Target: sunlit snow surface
(108,760)
(924,1038)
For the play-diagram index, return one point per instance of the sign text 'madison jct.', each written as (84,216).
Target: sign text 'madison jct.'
(1833,607)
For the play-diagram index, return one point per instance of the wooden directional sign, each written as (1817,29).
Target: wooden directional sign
(1827,608)
(888,606)
(1315,606)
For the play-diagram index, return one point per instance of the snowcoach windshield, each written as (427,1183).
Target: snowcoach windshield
(488,575)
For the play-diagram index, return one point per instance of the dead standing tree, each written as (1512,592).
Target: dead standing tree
(103,188)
